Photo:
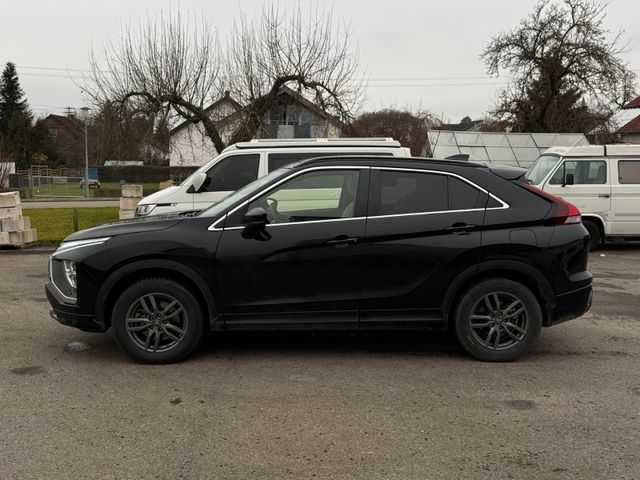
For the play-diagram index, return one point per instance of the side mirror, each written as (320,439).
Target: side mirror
(568,179)
(197,183)
(255,223)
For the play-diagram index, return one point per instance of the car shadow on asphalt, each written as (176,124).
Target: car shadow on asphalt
(409,342)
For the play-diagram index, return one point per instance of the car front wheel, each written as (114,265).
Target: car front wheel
(498,320)
(157,320)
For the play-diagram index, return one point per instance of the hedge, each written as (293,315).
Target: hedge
(143,174)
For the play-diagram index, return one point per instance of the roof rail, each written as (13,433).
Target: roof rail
(318,142)
(405,160)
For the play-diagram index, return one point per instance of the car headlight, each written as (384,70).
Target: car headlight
(62,270)
(142,210)
(66,246)
(70,272)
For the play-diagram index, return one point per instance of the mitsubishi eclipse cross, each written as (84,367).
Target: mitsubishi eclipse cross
(345,243)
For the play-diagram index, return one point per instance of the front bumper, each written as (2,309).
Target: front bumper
(571,305)
(70,315)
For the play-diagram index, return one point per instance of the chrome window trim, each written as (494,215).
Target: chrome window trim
(504,205)
(214,227)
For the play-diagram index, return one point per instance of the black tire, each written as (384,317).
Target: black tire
(595,235)
(157,320)
(501,345)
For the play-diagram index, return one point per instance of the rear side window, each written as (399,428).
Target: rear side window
(629,171)
(279,160)
(585,172)
(412,192)
(232,173)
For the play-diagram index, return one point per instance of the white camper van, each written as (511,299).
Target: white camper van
(603,181)
(244,162)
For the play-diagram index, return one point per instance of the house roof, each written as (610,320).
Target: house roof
(459,127)
(635,103)
(631,127)
(627,119)
(239,108)
(71,124)
(226,98)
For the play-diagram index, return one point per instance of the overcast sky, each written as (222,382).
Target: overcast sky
(418,54)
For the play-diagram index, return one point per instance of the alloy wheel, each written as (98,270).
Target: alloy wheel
(499,320)
(156,322)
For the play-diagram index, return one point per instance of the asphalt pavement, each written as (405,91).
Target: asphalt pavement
(329,405)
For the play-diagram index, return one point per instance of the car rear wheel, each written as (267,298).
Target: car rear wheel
(498,320)
(595,235)
(157,320)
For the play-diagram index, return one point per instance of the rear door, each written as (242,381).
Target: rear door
(625,197)
(591,189)
(423,229)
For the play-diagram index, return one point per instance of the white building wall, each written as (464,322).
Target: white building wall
(190,147)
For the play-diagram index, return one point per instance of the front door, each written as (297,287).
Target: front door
(306,268)
(583,182)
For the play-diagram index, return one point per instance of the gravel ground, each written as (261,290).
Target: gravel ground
(331,405)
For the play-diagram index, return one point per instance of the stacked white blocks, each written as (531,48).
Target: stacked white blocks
(131,195)
(15,230)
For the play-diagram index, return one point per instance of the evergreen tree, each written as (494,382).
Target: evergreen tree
(11,96)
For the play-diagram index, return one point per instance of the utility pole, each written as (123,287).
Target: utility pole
(85,114)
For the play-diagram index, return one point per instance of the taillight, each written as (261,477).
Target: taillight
(565,213)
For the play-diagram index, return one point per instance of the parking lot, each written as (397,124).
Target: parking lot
(330,405)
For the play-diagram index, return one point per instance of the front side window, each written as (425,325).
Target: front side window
(232,173)
(584,172)
(629,171)
(403,192)
(312,196)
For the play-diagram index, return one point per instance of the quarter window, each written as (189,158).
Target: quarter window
(585,172)
(232,173)
(412,192)
(317,195)
(629,171)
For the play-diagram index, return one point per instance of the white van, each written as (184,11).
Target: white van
(244,162)
(603,181)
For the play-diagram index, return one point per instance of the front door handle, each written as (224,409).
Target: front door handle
(604,195)
(342,241)
(459,228)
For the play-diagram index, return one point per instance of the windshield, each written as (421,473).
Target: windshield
(217,209)
(541,168)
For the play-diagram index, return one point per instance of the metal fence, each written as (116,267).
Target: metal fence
(55,186)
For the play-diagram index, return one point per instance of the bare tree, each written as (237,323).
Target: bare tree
(312,54)
(567,68)
(172,66)
(410,129)
(165,66)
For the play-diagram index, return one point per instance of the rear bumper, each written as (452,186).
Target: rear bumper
(70,315)
(571,305)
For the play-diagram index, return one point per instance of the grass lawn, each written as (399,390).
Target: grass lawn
(54,224)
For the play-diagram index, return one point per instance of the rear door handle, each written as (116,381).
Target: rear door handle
(342,241)
(459,228)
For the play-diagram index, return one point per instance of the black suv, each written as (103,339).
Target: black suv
(353,243)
